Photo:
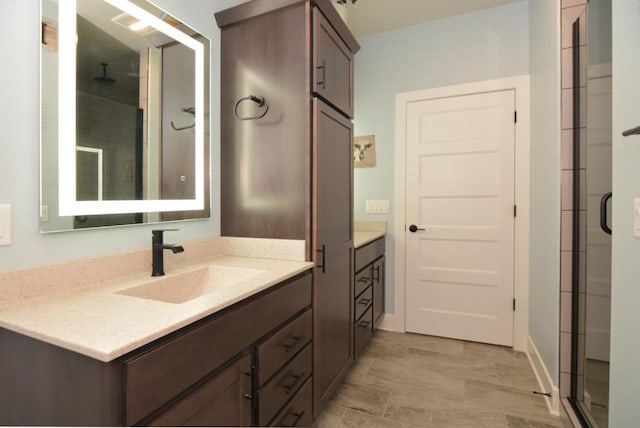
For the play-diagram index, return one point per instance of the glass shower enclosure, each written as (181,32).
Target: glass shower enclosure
(591,272)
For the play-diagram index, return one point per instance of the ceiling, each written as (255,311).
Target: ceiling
(369,17)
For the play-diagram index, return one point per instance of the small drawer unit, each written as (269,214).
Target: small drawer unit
(368,292)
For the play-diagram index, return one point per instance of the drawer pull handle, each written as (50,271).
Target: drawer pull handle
(248,396)
(364,324)
(295,341)
(364,279)
(292,386)
(364,302)
(298,416)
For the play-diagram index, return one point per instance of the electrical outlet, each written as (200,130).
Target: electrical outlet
(5,224)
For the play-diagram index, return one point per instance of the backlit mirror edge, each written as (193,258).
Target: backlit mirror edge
(68,205)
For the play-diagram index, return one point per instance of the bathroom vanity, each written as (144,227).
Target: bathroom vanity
(116,355)
(369,284)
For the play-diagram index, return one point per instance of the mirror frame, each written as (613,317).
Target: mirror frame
(68,204)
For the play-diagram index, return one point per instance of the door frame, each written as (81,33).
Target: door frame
(520,84)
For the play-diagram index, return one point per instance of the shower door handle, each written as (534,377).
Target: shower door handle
(604,222)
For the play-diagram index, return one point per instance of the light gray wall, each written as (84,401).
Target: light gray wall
(19,143)
(479,46)
(625,286)
(544,286)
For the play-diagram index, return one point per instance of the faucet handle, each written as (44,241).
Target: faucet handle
(159,232)
(164,230)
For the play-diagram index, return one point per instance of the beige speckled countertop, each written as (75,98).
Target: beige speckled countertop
(100,323)
(367,231)
(362,238)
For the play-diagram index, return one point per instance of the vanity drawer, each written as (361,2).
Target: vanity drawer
(363,331)
(362,302)
(168,369)
(363,280)
(283,386)
(368,253)
(281,347)
(298,412)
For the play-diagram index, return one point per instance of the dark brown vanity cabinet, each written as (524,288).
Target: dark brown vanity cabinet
(287,167)
(368,297)
(244,366)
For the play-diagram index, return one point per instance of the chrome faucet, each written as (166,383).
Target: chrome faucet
(157,250)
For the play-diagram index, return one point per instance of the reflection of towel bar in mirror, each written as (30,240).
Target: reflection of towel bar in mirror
(260,101)
(189,110)
(632,131)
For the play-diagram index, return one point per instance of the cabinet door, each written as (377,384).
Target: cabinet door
(333,255)
(333,308)
(332,65)
(378,290)
(224,400)
(333,175)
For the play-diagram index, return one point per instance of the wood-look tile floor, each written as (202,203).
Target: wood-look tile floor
(404,380)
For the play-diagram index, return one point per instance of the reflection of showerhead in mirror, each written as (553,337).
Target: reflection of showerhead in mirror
(104,78)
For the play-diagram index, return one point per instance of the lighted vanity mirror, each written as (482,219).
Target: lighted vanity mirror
(124,98)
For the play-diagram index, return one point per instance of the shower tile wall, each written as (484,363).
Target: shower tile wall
(571,10)
(110,125)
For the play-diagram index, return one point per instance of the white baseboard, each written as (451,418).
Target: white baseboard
(387,323)
(544,380)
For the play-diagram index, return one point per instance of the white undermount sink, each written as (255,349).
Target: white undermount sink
(185,286)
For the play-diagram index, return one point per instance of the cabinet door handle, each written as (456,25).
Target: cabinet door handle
(248,396)
(376,277)
(295,341)
(323,82)
(364,302)
(292,386)
(322,266)
(297,416)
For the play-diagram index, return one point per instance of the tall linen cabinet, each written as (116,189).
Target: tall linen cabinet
(286,153)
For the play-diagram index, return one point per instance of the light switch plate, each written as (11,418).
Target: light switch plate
(5,224)
(636,218)
(377,206)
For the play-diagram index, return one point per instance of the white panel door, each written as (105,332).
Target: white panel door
(460,190)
